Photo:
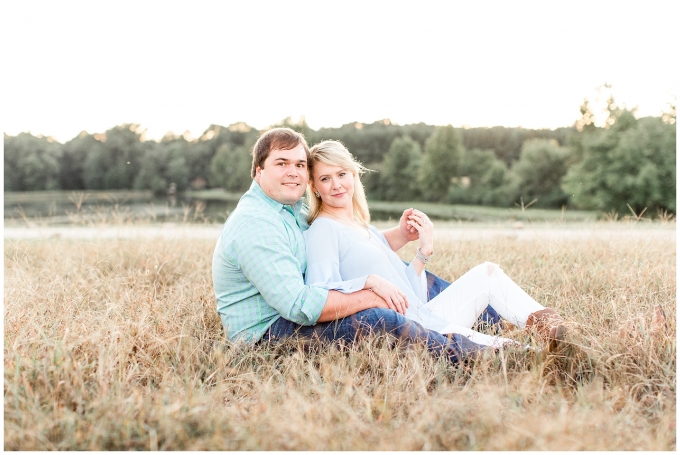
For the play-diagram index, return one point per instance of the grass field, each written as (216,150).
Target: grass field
(116,345)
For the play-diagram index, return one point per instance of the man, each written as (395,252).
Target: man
(260,259)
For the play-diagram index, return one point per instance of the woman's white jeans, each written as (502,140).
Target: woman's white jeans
(465,299)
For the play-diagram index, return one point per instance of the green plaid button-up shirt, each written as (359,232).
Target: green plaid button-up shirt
(258,268)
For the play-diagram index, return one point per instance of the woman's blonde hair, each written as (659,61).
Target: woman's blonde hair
(334,153)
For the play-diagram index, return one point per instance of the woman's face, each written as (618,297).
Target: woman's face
(334,184)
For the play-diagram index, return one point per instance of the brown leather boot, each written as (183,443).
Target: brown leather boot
(507,326)
(549,326)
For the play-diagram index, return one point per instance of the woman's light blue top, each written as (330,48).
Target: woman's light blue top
(340,258)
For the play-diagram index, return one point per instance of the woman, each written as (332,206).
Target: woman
(346,253)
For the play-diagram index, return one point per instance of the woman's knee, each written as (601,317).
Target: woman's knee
(485,269)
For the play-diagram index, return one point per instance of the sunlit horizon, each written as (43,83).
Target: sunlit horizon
(191,135)
(176,67)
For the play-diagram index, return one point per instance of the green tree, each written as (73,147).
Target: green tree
(230,168)
(441,161)
(372,182)
(177,171)
(115,163)
(162,165)
(484,179)
(301,126)
(198,157)
(507,142)
(368,142)
(631,163)
(542,165)
(94,168)
(401,166)
(586,121)
(72,162)
(669,115)
(31,163)
(201,153)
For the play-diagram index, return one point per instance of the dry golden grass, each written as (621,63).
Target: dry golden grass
(117,345)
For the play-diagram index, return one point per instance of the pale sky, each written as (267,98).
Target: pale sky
(89,65)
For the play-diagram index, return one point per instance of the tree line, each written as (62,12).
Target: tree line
(628,161)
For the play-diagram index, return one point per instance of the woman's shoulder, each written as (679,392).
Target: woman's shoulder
(321,226)
(323,223)
(322,238)
(376,231)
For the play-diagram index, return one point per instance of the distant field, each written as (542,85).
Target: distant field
(115,344)
(384,210)
(481,213)
(52,206)
(72,196)
(60,208)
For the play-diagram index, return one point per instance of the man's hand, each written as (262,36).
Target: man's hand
(405,229)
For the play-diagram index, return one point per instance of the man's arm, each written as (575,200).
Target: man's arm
(339,305)
(377,293)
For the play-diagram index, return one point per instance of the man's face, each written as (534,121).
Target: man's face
(284,175)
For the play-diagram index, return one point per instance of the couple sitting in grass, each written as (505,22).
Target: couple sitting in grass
(321,272)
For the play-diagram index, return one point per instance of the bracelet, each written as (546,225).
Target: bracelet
(422,258)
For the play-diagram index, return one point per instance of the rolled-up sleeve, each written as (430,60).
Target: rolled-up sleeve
(326,274)
(266,259)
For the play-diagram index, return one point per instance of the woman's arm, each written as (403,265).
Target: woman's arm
(421,223)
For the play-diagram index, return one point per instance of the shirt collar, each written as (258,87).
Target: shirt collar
(260,194)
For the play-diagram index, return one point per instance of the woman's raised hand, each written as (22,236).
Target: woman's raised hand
(421,223)
(408,232)
(393,297)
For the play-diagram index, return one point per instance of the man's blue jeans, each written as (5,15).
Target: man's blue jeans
(378,320)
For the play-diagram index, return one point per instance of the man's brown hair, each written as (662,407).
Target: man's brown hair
(276,139)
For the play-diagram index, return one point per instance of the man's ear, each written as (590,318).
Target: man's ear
(258,171)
